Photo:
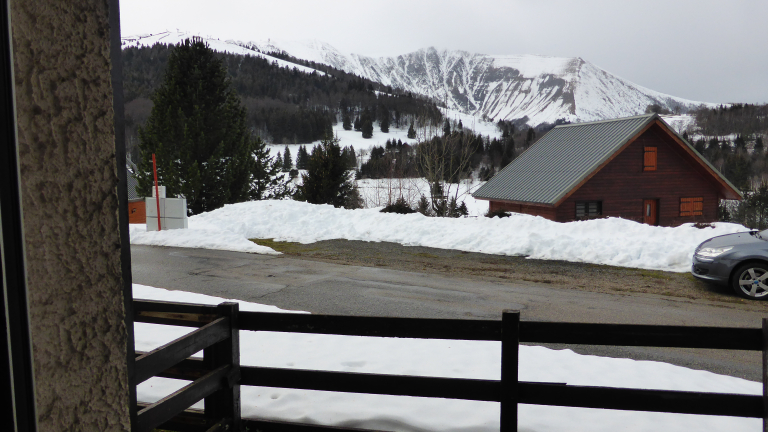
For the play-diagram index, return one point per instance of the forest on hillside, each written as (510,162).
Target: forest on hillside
(732,138)
(284,106)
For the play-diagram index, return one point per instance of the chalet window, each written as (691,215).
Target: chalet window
(691,206)
(649,159)
(589,209)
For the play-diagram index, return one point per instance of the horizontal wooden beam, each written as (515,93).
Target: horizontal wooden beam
(681,402)
(395,385)
(555,394)
(530,331)
(164,306)
(170,313)
(160,359)
(419,328)
(642,335)
(167,408)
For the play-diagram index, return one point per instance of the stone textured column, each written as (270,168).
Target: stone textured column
(69,199)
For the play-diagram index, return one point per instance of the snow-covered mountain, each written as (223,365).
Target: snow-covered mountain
(232,47)
(509,87)
(537,88)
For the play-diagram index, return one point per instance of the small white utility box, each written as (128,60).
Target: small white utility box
(161,191)
(173,212)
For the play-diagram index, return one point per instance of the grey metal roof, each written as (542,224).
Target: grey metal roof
(131,182)
(560,160)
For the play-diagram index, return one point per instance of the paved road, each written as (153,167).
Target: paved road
(319,287)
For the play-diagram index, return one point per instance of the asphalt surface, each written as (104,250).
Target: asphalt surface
(328,288)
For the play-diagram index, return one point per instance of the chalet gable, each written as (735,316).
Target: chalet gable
(568,155)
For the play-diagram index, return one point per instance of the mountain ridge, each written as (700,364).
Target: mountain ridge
(539,88)
(532,88)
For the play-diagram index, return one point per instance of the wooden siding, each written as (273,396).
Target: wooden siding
(543,211)
(137,212)
(622,185)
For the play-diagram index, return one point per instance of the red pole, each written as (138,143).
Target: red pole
(157,191)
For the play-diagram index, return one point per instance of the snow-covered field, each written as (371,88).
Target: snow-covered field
(611,241)
(352,138)
(363,146)
(380,192)
(441,358)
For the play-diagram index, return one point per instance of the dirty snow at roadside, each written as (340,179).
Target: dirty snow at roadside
(441,358)
(611,241)
(216,238)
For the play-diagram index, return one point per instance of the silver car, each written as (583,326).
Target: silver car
(739,260)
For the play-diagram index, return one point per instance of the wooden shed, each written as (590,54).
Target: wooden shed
(635,168)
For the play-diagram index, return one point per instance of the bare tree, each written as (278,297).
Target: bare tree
(444,160)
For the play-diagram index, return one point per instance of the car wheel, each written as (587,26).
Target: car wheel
(751,281)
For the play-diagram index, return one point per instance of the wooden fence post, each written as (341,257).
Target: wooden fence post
(225,403)
(510,341)
(765,374)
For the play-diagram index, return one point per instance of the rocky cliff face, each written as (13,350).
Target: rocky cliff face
(539,88)
(535,88)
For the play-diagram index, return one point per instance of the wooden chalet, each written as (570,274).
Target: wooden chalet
(635,168)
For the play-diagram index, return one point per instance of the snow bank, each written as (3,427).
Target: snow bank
(442,358)
(203,238)
(611,241)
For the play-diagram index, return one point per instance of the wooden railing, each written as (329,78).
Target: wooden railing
(510,392)
(217,376)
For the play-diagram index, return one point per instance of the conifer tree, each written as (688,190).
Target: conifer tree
(351,158)
(327,179)
(411,131)
(740,142)
(446,127)
(197,130)
(358,125)
(266,180)
(301,158)
(384,122)
(530,137)
(287,161)
(700,146)
(346,122)
(366,124)
(509,152)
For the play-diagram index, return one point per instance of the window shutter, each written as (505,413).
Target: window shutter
(698,206)
(692,206)
(649,159)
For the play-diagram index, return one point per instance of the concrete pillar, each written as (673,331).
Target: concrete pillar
(69,200)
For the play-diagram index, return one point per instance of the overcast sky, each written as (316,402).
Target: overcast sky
(711,51)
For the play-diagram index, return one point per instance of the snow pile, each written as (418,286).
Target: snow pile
(441,358)
(203,238)
(610,241)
